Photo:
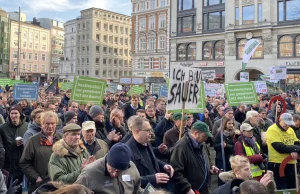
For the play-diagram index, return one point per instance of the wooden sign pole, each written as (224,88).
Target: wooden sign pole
(183,107)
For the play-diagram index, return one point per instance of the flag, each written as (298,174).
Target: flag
(249,50)
(53,87)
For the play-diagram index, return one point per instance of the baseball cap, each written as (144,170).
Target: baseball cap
(202,127)
(287,119)
(178,116)
(246,127)
(87,125)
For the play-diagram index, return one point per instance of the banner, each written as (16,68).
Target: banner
(208,74)
(244,76)
(66,85)
(26,91)
(261,87)
(195,100)
(87,89)
(249,50)
(278,72)
(136,90)
(53,87)
(163,91)
(237,93)
(214,90)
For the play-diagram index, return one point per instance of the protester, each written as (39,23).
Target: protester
(37,152)
(275,112)
(70,117)
(161,104)
(66,98)
(130,109)
(240,113)
(115,173)
(129,134)
(296,127)
(219,112)
(162,127)
(253,187)
(151,115)
(69,156)
(26,108)
(34,126)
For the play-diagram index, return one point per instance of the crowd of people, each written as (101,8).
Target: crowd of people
(125,145)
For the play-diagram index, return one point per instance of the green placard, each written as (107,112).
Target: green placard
(87,89)
(136,90)
(237,93)
(288,191)
(66,85)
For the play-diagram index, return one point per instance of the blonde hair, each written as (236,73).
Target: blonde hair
(48,114)
(238,161)
(35,112)
(74,189)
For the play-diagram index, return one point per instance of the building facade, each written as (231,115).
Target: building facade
(150,37)
(68,65)
(4,43)
(211,34)
(57,44)
(34,59)
(103,44)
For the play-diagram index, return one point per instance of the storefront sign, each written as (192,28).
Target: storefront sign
(241,93)
(220,63)
(25,91)
(132,80)
(278,72)
(292,63)
(208,74)
(187,64)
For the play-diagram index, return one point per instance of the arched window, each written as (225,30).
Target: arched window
(192,51)
(219,50)
(298,46)
(259,52)
(208,50)
(181,52)
(286,46)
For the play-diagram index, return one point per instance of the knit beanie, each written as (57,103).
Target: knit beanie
(119,156)
(226,110)
(68,116)
(16,107)
(95,111)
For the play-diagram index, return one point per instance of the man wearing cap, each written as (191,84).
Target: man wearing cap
(11,137)
(191,161)
(37,152)
(95,147)
(69,156)
(282,142)
(112,174)
(70,117)
(172,135)
(228,113)
(150,168)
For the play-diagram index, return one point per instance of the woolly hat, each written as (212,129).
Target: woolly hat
(119,156)
(16,107)
(226,110)
(95,111)
(69,115)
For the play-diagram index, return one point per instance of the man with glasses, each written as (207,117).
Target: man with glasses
(112,174)
(150,168)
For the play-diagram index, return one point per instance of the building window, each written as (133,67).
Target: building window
(152,23)
(143,7)
(24,55)
(151,63)
(142,24)
(35,68)
(298,46)
(29,67)
(286,46)
(97,73)
(162,42)
(15,55)
(208,51)
(186,24)
(259,12)
(213,2)
(214,20)
(162,21)
(248,14)
(288,10)
(181,52)
(30,56)
(142,43)
(259,52)
(30,45)
(186,4)
(152,4)
(36,56)
(162,3)
(151,43)
(237,16)
(220,50)
(24,67)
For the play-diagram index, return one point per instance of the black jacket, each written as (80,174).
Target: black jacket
(129,111)
(138,160)
(227,188)
(160,130)
(228,150)
(239,116)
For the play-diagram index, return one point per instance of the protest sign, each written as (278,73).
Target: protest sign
(163,91)
(278,72)
(66,85)
(241,93)
(244,76)
(182,79)
(261,87)
(156,87)
(214,90)
(112,88)
(136,90)
(208,74)
(87,89)
(25,91)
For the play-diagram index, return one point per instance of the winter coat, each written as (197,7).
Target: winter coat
(160,130)
(141,165)
(13,153)
(228,186)
(2,156)
(100,150)
(65,166)
(65,101)
(239,116)
(189,170)
(33,128)
(129,111)
(218,123)
(27,112)
(96,178)
(256,134)
(3,188)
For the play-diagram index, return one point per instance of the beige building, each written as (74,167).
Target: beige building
(103,44)
(150,37)
(35,51)
(211,34)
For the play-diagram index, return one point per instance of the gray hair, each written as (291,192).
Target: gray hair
(251,114)
(130,120)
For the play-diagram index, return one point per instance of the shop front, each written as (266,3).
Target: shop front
(293,74)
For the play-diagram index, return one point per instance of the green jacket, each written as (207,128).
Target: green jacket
(65,166)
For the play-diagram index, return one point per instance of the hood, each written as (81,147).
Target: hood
(60,150)
(34,126)
(227,176)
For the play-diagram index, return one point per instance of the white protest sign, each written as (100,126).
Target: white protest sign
(195,99)
(214,90)
(208,74)
(137,81)
(278,72)
(244,76)
(261,87)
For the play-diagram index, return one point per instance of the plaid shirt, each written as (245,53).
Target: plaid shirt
(44,140)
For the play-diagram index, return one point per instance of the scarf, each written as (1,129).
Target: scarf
(228,133)
(250,141)
(75,151)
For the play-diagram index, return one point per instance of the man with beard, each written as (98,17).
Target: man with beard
(34,126)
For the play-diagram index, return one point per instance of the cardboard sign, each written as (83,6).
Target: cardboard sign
(208,74)
(87,89)
(112,88)
(136,90)
(244,76)
(163,91)
(214,90)
(241,93)
(195,100)
(278,72)
(261,87)
(26,91)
